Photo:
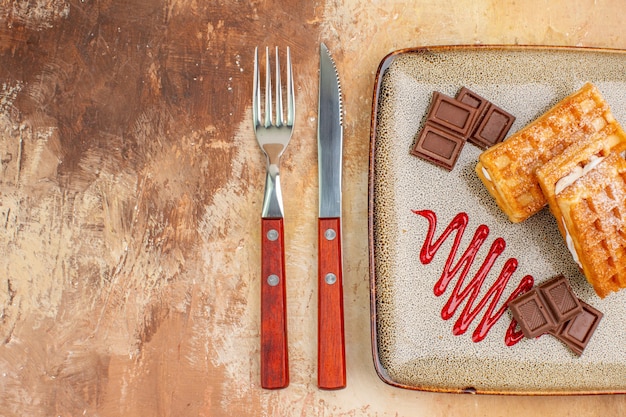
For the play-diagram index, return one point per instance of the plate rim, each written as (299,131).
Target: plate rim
(383,66)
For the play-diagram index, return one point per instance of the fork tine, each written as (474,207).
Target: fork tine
(279,94)
(256,91)
(291,108)
(268,89)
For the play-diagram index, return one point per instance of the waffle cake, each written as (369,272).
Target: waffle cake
(578,159)
(593,210)
(508,168)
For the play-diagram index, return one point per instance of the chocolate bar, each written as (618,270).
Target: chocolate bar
(444,134)
(545,307)
(491,123)
(452,121)
(577,332)
(553,308)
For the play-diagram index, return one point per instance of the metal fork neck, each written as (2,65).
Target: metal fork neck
(273,200)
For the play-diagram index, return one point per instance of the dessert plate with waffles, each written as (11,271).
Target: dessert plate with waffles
(497,220)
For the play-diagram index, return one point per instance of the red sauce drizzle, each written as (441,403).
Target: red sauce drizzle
(470,292)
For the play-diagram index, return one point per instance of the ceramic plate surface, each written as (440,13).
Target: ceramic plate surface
(432,328)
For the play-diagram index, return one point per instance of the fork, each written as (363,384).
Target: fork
(273,135)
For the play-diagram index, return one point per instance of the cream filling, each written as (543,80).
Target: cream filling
(570,244)
(576,173)
(486,174)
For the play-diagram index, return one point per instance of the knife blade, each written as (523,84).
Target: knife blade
(331,370)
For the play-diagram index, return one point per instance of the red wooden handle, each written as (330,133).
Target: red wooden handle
(274,359)
(331,354)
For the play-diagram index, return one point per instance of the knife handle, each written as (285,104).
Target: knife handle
(274,358)
(331,355)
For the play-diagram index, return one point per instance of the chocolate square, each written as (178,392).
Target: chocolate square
(452,114)
(560,298)
(531,313)
(492,128)
(467,96)
(438,146)
(577,332)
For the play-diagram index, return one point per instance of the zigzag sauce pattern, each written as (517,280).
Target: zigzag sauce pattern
(470,292)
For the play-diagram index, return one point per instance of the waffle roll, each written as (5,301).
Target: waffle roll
(578,159)
(593,210)
(508,169)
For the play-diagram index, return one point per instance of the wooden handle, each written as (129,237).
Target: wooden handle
(274,359)
(331,355)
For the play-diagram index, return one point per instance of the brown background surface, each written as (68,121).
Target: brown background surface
(130,193)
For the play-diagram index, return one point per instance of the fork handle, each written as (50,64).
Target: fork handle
(331,367)
(274,358)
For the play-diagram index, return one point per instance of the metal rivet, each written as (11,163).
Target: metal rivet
(273,280)
(272,234)
(330,278)
(330,234)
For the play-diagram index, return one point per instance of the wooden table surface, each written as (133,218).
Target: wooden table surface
(131,188)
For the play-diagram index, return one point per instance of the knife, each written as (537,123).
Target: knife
(331,367)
